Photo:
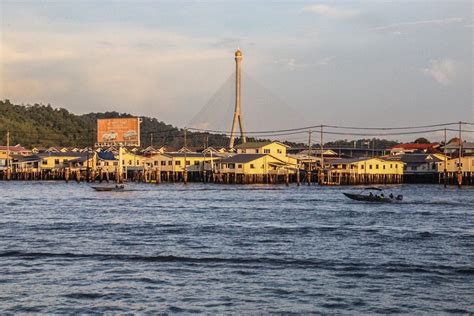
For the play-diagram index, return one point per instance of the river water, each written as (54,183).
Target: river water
(65,248)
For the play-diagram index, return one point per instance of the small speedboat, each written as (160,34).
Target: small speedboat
(378,196)
(116,188)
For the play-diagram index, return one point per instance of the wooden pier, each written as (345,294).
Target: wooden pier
(154,175)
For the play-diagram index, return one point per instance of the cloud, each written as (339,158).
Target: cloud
(418,23)
(290,64)
(85,70)
(326,61)
(442,71)
(331,11)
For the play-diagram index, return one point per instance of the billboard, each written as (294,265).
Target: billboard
(125,131)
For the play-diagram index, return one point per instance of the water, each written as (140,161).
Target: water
(234,249)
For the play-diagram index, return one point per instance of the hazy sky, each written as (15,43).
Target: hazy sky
(337,62)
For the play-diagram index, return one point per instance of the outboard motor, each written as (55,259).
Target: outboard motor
(399,197)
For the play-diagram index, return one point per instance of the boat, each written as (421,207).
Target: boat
(117,188)
(378,197)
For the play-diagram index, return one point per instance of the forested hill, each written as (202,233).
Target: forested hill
(43,125)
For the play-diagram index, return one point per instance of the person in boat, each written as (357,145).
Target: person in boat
(382,196)
(370,194)
(391,195)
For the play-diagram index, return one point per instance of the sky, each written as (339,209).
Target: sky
(358,63)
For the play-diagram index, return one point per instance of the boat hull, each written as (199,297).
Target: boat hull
(368,198)
(107,189)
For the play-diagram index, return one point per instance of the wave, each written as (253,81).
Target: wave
(337,265)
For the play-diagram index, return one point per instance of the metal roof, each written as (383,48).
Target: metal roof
(106,155)
(419,158)
(187,155)
(465,145)
(242,158)
(257,145)
(353,160)
(412,146)
(60,154)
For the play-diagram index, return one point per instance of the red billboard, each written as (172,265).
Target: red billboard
(115,131)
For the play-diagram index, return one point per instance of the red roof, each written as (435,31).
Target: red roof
(16,148)
(414,146)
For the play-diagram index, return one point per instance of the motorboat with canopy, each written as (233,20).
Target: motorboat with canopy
(373,194)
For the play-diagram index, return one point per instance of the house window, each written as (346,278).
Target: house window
(196,163)
(177,163)
(163,163)
(352,166)
(362,167)
(239,165)
(170,163)
(376,166)
(106,163)
(155,163)
(383,167)
(116,163)
(344,166)
(266,151)
(129,162)
(231,166)
(252,166)
(279,151)
(243,151)
(370,166)
(45,162)
(391,166)
(56,161)
(188,162)
(256,151)
(65,161)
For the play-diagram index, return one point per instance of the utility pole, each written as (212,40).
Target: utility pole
(120,165)
(308,176)
(88,170)
(373,147)
(203,169)
(185,174)
(459,158)
(322,158)
(8,155)
(445,171)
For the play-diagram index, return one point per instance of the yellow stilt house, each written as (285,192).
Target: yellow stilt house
(364,170)
(172,165)
(254,168)
(274,148)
